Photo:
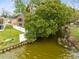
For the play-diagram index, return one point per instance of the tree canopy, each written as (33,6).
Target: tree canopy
(48,18)
(20,6)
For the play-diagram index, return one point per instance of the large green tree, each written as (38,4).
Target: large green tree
(48,18)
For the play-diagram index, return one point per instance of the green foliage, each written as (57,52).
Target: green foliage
(8,27)
(38,2)
(48,18)
(20,6)
(75,16)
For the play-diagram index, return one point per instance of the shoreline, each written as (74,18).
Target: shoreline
(13,47)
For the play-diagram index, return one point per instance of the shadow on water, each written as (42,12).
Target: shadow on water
(43,48)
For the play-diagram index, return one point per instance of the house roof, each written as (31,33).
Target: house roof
(17,15)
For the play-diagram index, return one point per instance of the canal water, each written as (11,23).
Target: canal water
(41,49)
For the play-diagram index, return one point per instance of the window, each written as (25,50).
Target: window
(20,19)
(20,24)
(1,26)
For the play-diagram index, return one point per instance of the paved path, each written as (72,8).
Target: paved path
(22,38)
(19,28)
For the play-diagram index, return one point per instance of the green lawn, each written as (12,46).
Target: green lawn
(75,32)
(9,36)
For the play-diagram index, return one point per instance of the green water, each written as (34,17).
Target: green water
(42,49)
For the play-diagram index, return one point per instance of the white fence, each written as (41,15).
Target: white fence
(19,28)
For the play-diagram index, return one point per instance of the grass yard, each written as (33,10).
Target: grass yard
(75,32)
(7,34)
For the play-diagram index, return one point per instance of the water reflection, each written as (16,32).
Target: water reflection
(42,49)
